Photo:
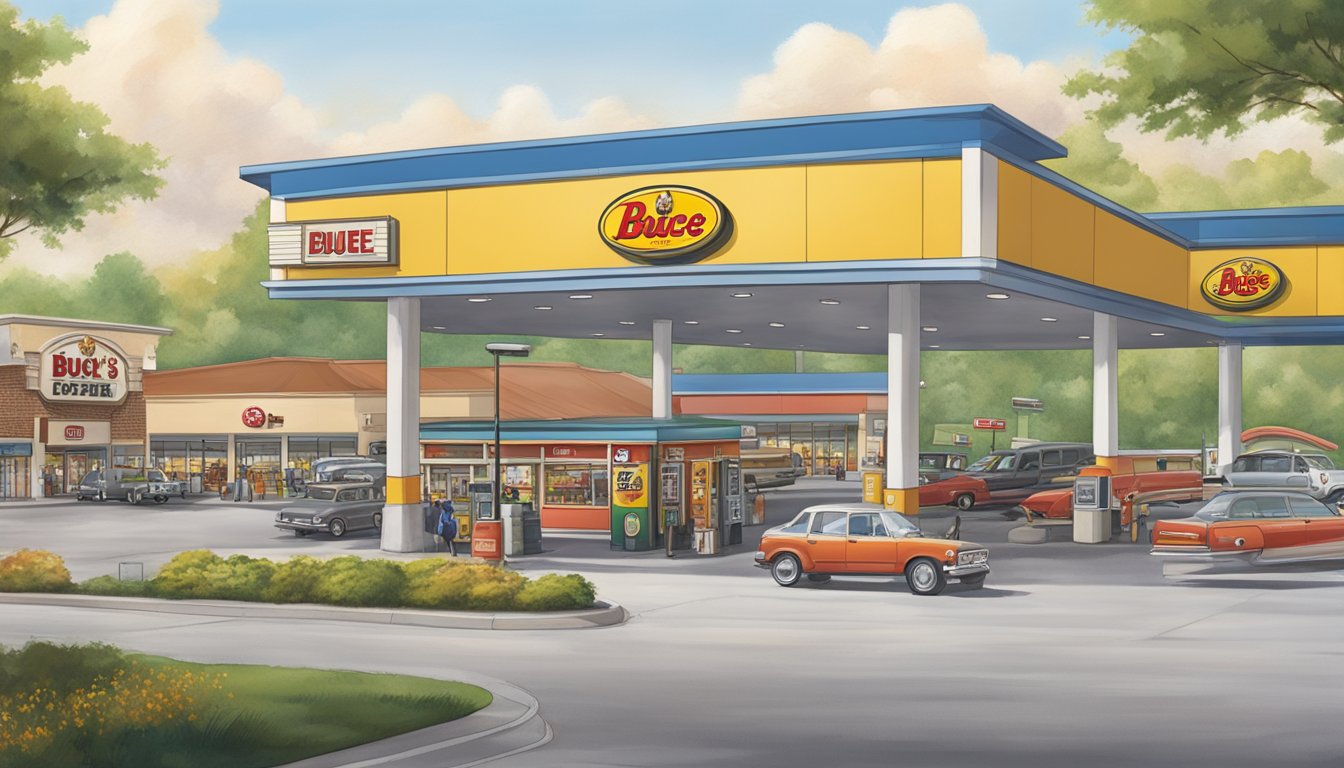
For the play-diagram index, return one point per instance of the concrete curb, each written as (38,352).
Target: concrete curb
(605,615)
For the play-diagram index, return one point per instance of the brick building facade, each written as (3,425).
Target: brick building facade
(71,400)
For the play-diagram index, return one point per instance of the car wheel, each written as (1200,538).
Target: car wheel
(925,577)
(378,520)
(787,570)
(160,499)
(974,582)
(337,527)
(964,502)
(818,578)
(133,497)
(79,497)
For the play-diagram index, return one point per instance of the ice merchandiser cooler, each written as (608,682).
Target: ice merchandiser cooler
(631,526)
(732,510)
(672,504)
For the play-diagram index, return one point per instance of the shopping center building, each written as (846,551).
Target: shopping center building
(878,233)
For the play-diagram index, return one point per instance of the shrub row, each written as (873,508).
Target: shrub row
(353,581)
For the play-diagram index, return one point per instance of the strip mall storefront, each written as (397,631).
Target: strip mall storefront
(71,400)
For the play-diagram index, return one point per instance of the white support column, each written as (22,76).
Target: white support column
(403,517)
(979,203)
(902,492)
(277,217)
(662,369)
(1229,404)
(1105,388)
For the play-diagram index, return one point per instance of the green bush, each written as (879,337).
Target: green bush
(61,668)
(33,570)
(349,580)
(186,575)
(112,586)
(352,580)
(467,586)
(554,592)
(295,581)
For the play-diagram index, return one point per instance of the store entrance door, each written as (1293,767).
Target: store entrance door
(73,466)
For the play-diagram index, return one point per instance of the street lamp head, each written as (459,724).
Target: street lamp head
(509,350)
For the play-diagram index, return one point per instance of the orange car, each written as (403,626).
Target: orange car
(1254,528)
(864,539)
(1058,503)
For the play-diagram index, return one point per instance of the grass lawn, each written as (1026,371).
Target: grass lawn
(274,715)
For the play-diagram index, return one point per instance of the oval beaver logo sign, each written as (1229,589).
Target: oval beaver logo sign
(1243,284)
(665,225)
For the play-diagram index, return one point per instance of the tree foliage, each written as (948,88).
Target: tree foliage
(58,162)
(1199,67)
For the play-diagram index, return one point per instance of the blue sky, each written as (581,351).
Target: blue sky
(330,51)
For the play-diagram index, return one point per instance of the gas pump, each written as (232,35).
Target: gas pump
(671,508)
(732,514)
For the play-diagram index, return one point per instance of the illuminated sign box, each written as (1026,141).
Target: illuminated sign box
(334,242)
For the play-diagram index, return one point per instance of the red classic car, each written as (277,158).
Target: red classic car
(1129,474)
(1254,528)
(1010,475)
(960,491)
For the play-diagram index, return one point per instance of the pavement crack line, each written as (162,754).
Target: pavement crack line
(1208,616)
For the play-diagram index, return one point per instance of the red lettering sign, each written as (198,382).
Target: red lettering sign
(996,425)
(339,243)
(74,432)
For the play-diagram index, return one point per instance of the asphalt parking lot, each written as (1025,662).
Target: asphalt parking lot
(1070,655)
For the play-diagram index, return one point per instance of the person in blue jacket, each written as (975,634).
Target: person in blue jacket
(447,527)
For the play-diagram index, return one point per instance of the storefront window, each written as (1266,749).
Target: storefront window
(198,462)
(518,483)
(303,451)
(577,485)
(128,456)
(261,459)
(452,482)
(14,482)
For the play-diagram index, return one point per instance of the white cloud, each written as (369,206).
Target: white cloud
(932,56)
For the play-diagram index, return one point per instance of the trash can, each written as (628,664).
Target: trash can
(531,530)
(512,522)
(485,540)
(707,541)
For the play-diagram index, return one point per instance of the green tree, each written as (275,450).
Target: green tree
(1199,67)
(1099,164)
(58,163)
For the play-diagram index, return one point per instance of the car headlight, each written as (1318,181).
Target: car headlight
(317,518)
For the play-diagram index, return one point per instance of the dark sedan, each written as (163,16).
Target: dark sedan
(336,508)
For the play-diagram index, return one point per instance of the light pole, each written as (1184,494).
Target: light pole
(499,350)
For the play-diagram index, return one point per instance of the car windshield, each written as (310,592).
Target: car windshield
(1216,509)
(156,476)
(321,494)
(930,462)
(897,525)
(90,478)
(1319,462)
(994,462)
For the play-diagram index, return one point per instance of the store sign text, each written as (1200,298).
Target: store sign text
(337,242)
(82,369)
(74,433)
(665,225)
(1243,284)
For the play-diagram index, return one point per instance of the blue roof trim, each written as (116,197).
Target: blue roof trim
(778,383)
(1258,227)
(680,429)
(689,276)
(868,135)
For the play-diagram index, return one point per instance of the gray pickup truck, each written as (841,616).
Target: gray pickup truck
(1312,473)
(128,484)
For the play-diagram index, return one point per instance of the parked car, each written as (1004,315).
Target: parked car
(770,468)
(864,539)
(940,465)
(1254,528)
(1011,475)
(1129,474)
(128,484)
(1311,473)
(352,468)
(336,508)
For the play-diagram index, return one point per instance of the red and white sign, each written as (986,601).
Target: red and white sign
(576,452)
(82,369)
(997,425)
(74,433)
(254,417)
(338,242)
(57,432)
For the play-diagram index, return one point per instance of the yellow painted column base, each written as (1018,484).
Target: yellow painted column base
(403,490)
(1109,462)
(903,500)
